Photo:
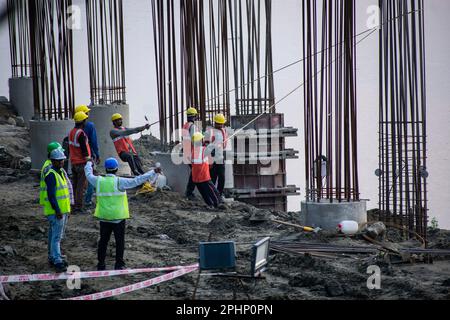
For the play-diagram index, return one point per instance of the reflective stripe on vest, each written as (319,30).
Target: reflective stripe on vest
(62,195)
(43,187)
(76,154)
(123,144)
(224,135)
(112,204)
(200,165)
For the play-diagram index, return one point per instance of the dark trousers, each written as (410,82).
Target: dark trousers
(79,183)
(209,193)
(106,228)
(134,162)
(191,185)
(218,176)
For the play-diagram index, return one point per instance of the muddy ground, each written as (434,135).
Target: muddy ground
(165,230)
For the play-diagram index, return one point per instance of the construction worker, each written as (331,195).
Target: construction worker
(80,154)
(47,166)
(112,207)
(56,207)
(189,129)
(91,133)
(124,146)
(200,172)
(218,137)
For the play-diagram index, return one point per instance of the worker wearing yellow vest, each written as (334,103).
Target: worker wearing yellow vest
(112,207)
(189,129)
(46,167)
(218,138)
(56,203)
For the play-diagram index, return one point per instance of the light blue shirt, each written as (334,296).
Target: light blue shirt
(124,183)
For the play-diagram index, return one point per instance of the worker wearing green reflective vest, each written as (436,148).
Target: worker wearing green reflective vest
(112,207)
(56,202)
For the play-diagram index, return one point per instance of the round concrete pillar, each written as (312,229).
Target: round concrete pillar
(100,115)
(44,132)
(22,97)
(328,215)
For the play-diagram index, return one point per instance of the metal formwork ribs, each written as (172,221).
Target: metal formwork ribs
(259,156)
(51,49)
(402,129)
(106,51)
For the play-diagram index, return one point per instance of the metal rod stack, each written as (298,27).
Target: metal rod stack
(402,128)
(106,51)
(330,106)
(51,59)
(19,38)
(251,28)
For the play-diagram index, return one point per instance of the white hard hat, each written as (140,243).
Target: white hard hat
(57,154)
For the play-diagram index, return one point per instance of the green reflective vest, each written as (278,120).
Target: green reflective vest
(62,195)
(112,204)
(43,188)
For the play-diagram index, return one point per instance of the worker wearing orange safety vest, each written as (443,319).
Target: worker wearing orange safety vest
(218,138)
(200,172)
(189,129)
(80,154)
(124,146)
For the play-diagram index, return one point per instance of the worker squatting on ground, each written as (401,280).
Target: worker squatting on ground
(112,207)
(56,201)
(91,133)
(80,154)
(189,129)
(218,137)
(200,172)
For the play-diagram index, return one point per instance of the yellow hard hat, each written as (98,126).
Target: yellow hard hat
(80,117)
(220,119)
(82,108)
(116,116)
(191,112)
(198,136)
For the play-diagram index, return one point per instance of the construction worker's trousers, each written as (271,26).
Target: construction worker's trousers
(209,193)
(79,183)
(190,188)
(134,162)
(218,176)
(106,228)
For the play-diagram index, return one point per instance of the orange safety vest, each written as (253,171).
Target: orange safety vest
(187,143)
(124,144)
(75,152)
(224,135)
(200,165)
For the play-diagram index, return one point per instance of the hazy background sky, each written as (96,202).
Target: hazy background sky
(287,47)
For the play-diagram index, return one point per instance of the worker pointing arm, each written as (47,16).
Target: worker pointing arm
(112,207)
(123,144)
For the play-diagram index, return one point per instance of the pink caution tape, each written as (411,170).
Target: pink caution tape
(85,275)
(137,286)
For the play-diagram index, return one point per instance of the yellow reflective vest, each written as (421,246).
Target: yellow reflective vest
(112,204)
(43,188)
(62,194)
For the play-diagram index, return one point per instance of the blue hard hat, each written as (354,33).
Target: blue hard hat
(111,164)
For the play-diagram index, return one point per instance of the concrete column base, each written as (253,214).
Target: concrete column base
(328,215)
(22,97)
(177,175)
(100,115)
(44,132)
